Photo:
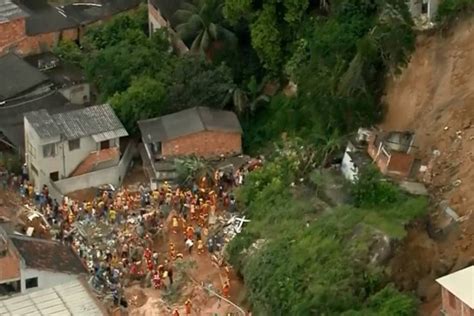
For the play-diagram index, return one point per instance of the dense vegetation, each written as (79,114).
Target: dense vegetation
(310,259)
(449,10)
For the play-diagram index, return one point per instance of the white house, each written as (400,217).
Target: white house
(31,264)
(72,144)
(355,157)
(423,9)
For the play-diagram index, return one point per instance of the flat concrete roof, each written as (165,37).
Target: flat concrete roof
(460,284)
(71,298)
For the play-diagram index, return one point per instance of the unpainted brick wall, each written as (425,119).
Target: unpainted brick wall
(204,144)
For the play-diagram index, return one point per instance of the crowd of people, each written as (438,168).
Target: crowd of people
(134,244)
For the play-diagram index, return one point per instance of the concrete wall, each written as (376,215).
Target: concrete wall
(348,168)
(416,5)
(46,279)
(77,94)
(155,20)
(204,144)
(113,175)
(458,308)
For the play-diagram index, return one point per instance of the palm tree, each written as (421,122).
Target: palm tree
(201,23)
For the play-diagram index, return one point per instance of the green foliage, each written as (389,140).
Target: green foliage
(202,25)
(69,53)
(371,189)
(273,25)
(323,269)
(191,168)
(144,98)
(121,27)
(195,82)
(449,10)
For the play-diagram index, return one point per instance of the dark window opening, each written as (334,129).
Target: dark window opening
(424,7)
(30,283)
(54,176)
(105,144)
(74,144)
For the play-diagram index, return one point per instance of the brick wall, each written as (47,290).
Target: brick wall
(205,144)
(400,164)
(9,265)
(11,33)
(13,38)
(452,306)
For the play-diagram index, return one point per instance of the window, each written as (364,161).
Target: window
(54,176)
(74,144)
(424,7)
(49,150)
(452,300)
(105,144)
(31,282)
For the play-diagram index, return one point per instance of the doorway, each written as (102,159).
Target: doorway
(105,144)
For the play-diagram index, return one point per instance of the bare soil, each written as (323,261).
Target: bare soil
(434,97)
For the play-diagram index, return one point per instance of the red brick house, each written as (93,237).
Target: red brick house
(198,131)
(392,152)
(34,26)
(457,293)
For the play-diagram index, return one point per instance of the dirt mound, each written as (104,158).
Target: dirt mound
(434,97)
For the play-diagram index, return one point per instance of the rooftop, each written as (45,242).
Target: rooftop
(460,284)
(42,254)
(17,76)
(45,18)
(98,121)
(72,298)
(60,74)
(10,11)
(186,122)
(11,113)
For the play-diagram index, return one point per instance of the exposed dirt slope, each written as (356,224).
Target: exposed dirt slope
(434,97)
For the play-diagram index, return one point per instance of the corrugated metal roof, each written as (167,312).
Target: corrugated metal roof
(94,120)
(9,11)
(110,135)
(67,299)
(188,122)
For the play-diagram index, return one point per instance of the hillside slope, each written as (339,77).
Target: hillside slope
(434,97)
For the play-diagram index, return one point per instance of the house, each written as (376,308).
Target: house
(198,131)
(34,83)
(392,152)
(75,150)
(457,293)
(161,13)
(69,298)
(34,26)
(424,9)
(12,131)
(29,264)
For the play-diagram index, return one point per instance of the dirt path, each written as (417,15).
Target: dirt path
(434,96)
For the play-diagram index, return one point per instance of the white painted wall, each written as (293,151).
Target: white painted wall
(46,279)
(415,8)
(113,175)
(64,161)
(348,168)
(77,94)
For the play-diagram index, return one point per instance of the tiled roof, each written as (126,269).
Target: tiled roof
(49,255)
(72,298)
(89,121)
(10,11)
(11,114)
(188,122)
(17,76)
